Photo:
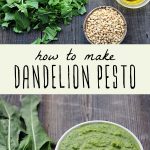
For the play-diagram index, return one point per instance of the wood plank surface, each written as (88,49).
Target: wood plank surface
(60,112)
(138,27)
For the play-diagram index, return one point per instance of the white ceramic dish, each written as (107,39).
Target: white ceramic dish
(133,6)
(98,121)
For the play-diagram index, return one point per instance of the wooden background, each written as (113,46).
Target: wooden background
(138,27)
(58,113)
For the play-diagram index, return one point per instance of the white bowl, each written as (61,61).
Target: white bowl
(134,6)
(98,121)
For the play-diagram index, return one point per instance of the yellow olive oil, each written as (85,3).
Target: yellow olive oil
(133,2)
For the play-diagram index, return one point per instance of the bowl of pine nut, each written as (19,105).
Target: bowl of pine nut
(105,25)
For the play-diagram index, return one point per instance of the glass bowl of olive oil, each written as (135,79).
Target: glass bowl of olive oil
(133,3)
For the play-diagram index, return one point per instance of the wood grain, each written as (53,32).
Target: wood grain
(138,27)
(60,112)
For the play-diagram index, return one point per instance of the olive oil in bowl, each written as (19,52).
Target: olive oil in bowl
(133,4)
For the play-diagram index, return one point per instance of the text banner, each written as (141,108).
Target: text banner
(75,69)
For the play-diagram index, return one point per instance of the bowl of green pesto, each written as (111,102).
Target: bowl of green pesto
(99,135)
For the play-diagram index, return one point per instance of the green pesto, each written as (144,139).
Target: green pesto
(99,136)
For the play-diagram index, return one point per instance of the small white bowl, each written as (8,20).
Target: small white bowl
(134,6)
(98,121)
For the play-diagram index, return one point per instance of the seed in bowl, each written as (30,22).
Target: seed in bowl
(105,25)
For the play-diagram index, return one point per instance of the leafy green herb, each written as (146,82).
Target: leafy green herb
(11,126)
(34,128)
(45,15)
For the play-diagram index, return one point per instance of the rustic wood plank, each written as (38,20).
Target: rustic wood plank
(60,112)
(9,37)
(138,27)
(13,99)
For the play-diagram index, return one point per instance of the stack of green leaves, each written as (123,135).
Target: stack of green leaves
(45,15)
(20,129)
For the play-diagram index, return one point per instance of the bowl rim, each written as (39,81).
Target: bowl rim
(134,6)
(101,7)
(98,121)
